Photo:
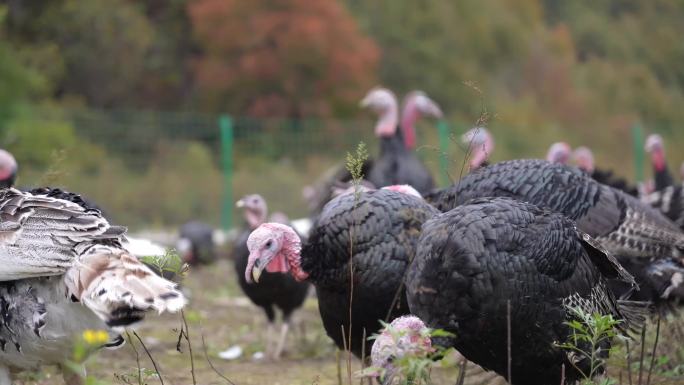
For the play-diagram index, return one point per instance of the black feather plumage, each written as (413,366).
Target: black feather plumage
(473,260)
(631,230)
(380,229)
(274,290)
(398,165)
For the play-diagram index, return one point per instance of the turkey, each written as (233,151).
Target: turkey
(480,145)
(584,159)
(645,242)
(64,271)
(8,169)
(274,290)
(559,152)
(380,229)
(396,163)
(670,201)
(196,243)
(661,174)
(477,259)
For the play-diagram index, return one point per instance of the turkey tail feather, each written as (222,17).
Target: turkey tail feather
(119,288)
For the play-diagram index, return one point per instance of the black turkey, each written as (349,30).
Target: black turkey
(196,243)
(397,163)
(380,229)
(475,260)
(670,201)
(645,242)
(661,173)
(584,159)
(274,290)
(64,271)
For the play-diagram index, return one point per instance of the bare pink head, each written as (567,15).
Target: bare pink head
(276,248)
(404,189)
(559,152)
(481,142)
(584,159)
(383,102)
(8,169)
(255,209)
(405,336)
(416,105)
(655,147)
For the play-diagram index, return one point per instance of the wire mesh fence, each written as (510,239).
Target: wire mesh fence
(148,168)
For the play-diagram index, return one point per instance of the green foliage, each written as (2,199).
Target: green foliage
(355,164)
(588,332)
(169,265)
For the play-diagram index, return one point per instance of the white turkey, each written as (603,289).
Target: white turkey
(63,270)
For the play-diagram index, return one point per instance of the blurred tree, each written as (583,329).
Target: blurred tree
(18,83)
(289,58)
(105,45)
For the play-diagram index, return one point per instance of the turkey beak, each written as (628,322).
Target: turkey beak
(240,203)
(256,272)
(259,266)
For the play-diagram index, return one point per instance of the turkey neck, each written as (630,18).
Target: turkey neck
(393,144)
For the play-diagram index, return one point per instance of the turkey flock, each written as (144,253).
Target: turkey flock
(502,261)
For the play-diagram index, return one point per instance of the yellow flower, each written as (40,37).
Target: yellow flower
(95,337)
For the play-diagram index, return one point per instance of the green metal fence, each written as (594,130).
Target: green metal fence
(160,168)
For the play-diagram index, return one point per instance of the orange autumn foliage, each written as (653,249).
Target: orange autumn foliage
(285,58)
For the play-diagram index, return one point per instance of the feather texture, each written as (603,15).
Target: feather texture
(379,230)
(475,259)
(64,270)
(627,228)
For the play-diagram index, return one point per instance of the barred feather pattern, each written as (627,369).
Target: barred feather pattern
(637,234)
(474,260)
(670,202)
(64,270)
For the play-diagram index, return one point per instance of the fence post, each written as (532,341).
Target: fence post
(638,150)
(226,126)
(443,130)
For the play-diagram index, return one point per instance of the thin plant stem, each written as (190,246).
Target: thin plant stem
(186,333)
(461,372)
(154,363)
(137,357)
(363,354)
(653,352)
(338,357)
(508,326)
(643,352)
(211,364)
(629,363)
